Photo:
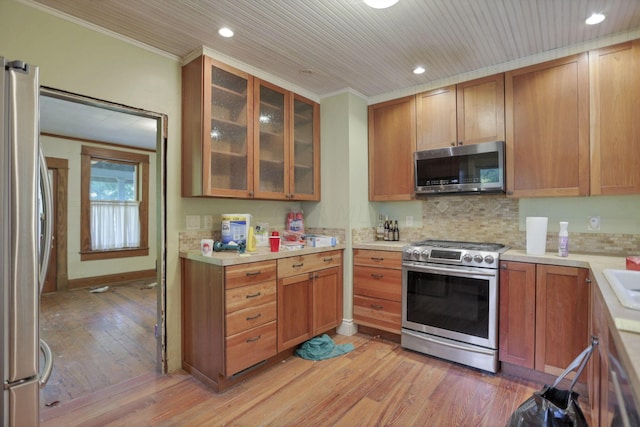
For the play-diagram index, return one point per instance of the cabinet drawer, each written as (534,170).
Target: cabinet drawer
(377,313)
(248,348)
(246,274)
(250,296)
(387,259)
(242,320)
(377,282)
(305,263)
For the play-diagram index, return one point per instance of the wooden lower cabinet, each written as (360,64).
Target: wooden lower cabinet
(309,297)
(237,319)
(544,315)
(517,313)
(377,288)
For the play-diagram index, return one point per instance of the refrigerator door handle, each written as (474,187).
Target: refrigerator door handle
(48,363)
(47,196)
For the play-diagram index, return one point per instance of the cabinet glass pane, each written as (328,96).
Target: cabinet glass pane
(303,147)
(271,122)
(228,130)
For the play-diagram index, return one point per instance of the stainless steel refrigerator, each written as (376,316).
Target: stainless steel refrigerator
(25,242)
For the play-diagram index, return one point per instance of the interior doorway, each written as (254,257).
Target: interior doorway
(81,110)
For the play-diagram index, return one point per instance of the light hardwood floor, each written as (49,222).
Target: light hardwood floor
(378,383)
(97,339)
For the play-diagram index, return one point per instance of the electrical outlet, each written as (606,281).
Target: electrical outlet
(193,222)
(593,222)
(208,222)
(408,221)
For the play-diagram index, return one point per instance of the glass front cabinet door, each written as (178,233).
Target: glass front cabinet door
(305,182)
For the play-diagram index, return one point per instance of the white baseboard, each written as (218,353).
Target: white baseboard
(347,328)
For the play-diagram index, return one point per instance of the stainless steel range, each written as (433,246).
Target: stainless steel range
(450,301)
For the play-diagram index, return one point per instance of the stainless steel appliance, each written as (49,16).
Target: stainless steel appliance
(474,168)
(25,204)
(450,301)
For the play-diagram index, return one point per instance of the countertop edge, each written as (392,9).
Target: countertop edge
(227,258)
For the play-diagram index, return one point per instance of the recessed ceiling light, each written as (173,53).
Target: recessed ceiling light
(595,18)
(419,70)
(380,4)
(225,32)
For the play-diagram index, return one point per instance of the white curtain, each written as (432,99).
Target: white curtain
(115,225)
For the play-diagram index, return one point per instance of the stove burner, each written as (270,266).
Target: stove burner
(450,244)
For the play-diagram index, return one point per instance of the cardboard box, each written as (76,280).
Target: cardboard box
(318,241)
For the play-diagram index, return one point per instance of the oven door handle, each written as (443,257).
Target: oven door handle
(478,272)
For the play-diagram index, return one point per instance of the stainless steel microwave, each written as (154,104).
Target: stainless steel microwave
(474,168)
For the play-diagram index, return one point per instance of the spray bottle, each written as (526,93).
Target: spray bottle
(563,239)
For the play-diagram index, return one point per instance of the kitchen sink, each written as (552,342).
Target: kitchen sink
(626,286)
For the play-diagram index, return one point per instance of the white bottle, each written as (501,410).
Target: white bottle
(563,239)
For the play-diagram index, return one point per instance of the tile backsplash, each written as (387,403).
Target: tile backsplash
(495,218)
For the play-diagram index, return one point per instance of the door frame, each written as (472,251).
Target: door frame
(61,168)
(161,205)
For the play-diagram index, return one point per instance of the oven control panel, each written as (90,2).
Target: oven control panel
(450,256)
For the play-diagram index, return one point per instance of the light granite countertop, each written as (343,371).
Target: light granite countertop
(627,332)
(226,258)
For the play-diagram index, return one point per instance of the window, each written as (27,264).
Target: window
(114,204)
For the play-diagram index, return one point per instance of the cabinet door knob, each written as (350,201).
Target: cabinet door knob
(253,339)
(376,307)
(377,276)
(254,317)
(253,295)
(460,143)
(503,266)
(453,143)
(253,273)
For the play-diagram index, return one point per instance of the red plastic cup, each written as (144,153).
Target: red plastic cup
(275,243)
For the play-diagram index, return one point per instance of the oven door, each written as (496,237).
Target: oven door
(455,302)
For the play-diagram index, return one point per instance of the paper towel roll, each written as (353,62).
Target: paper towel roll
(536,235)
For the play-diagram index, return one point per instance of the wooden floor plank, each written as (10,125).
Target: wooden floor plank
(378,383)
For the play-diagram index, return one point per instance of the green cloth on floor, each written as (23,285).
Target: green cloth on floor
(322,347)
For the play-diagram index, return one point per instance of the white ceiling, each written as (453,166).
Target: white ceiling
(67,118)
(346,44)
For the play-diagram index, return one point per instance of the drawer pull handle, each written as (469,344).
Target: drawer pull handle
(328,259)
(377,259)
(377,276)
(253,339)
(377,307)
(298,265)
(254,295)
(253,273)
(254,317)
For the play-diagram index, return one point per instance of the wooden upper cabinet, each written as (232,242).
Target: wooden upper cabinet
(547,128)
(217,139)
(436,116)
(246,138)
(392,141)
(615,111)
(480,110)
(467,113)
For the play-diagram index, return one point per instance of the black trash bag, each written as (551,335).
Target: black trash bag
(554,407)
